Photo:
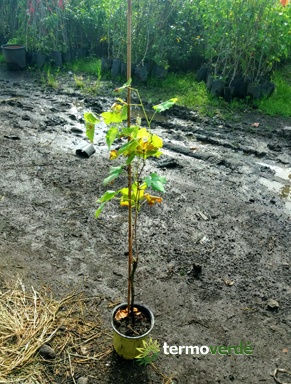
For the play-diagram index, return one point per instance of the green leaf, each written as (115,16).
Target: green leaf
(123,112)
(128,148)
(90,131)
(90,121)
(99,210)
(111,117)
(165,105)
(113,174)
(130,131)
(130,158)
(90,117)
(111,135)
(124,86)
(155,182)
(107,196)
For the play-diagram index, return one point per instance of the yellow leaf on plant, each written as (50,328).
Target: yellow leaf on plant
(137,194)
(113,154)
(157,141)
(143,133)
(152,200)
(116,107)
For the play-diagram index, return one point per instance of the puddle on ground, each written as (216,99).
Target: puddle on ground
(281,188)
(283,173)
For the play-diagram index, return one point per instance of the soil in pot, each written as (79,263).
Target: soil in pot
(128,336)
(139,325)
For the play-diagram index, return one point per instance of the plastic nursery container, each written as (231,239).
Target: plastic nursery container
(15,56)
(125,346)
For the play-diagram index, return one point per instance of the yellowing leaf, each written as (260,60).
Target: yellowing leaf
(113,154)
(157,141)
(148,144)
(121,101)
(116,107)
(137,194)
(121,314)
(124,201)
(144,134)
(111,117)
(152,200)
(117,114)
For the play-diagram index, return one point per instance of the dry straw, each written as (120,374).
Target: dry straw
(29,319)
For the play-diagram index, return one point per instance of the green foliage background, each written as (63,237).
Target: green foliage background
(246,37)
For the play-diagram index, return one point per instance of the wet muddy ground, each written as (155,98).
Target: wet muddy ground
(215,256)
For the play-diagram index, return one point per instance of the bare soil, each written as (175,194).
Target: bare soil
(215,256)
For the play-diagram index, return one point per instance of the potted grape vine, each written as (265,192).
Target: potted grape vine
(131,321)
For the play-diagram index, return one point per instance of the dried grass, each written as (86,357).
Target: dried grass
(29,319)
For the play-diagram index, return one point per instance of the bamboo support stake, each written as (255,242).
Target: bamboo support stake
(129,171)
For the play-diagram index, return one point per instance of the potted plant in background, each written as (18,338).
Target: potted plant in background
(131,321)
(14,55)
(44,26)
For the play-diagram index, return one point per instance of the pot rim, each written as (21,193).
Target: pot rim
(138,305)
(17,46)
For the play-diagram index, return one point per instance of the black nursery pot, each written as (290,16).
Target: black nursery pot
(228,93)
(15,56)
(126,346)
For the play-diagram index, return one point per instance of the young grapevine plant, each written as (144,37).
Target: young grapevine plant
(139,144)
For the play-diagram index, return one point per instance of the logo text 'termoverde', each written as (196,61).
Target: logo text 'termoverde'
(241,349)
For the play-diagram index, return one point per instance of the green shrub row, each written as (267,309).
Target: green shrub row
(235,38)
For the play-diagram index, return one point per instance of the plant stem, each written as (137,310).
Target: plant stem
(129,170)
